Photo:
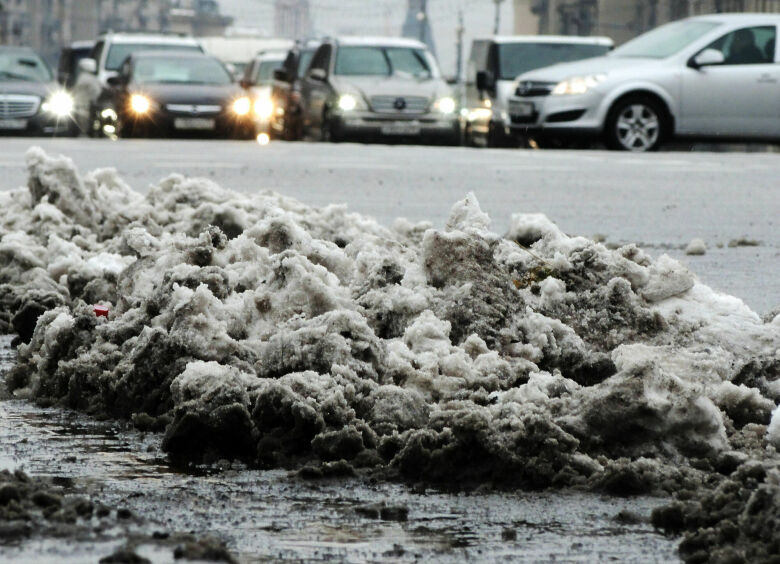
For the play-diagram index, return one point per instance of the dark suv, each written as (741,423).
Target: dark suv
(377,87)
(287,119)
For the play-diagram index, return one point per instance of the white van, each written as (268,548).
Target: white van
(494,64)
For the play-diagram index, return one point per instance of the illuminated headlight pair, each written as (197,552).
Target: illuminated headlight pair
(59,104)
(578,85)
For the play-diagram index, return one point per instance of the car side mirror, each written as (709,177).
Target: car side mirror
(485,81)
(706,58)
(88,65)
(246,83)
(281,75)
(318,74)
(117,80)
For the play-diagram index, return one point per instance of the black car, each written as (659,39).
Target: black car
(31,102)
(286,92)
(175,93)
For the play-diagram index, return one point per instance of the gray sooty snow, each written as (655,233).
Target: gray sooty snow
(257,328)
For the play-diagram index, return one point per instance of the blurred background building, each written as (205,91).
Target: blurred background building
(624,19)
(292,19)
(46,25)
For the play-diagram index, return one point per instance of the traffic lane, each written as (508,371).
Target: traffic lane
(656,198)
(660,201)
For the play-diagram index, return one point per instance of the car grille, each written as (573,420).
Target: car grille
(399,104)
(18,106)
(194,109)
(529,88)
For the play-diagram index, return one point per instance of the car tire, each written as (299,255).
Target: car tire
(328,131)
(636,123)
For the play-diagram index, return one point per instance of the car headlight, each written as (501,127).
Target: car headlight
(347,102)
(140,104)
(446,105)
(577,85)
(242,106)
(59,104)
(264,107)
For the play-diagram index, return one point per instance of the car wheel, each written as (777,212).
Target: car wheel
(328,130)
(636,123)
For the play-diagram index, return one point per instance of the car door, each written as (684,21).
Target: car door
(315,89)
(740,97)
(86,90)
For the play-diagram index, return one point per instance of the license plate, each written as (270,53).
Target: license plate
(401,129)
(13,124)
(194,123)
(521,109)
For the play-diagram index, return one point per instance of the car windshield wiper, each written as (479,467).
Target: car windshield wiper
(15,76)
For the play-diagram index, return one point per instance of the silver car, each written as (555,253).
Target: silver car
(377,87)
(714,77)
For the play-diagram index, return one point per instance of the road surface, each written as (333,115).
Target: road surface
(661,201)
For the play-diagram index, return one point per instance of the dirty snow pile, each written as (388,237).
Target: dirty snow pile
(257,328)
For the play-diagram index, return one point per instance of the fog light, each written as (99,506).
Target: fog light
(263,139)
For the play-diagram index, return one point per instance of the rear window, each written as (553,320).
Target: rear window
(515,59)
(118,52)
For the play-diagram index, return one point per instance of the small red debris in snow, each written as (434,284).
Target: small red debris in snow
(101,311)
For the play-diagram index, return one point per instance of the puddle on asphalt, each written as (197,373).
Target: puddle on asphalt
(272,516)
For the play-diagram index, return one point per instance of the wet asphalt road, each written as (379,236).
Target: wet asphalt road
(660,200)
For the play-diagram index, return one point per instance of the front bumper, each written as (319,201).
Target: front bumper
(167,123)
(41,123)
(373,124)
(582,114)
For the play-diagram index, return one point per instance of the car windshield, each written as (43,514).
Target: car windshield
(23,66)
(180,70)
(264,73)
(119,51)
(517,58)
(383,61)
(666,40)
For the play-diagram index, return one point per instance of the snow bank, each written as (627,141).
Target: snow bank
(254,327)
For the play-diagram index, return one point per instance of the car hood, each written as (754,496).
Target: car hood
(190,93)
(596,65)
(372,86)
(26,87)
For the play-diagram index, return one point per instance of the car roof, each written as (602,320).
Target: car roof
(150,38)
(504,39)
(379,41)
(741,18)
(82,44)
(167,54)
(18,49)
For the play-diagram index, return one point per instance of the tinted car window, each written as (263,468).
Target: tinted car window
(666,40)
(516,58)
(264,72)
(118,52)
(305,61)
(23,66)
(180,70)
(747,46)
